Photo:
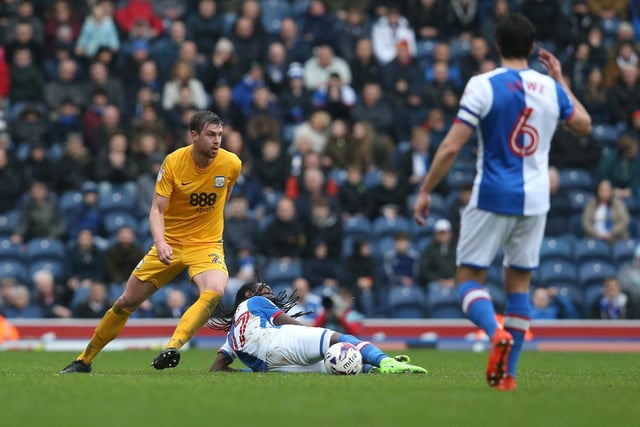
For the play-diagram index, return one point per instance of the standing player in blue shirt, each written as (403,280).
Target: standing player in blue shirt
(514,111)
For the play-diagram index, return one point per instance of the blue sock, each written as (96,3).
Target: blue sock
(477,305)
(516,321)
(370,353)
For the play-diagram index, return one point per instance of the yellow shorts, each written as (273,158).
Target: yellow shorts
(196,258)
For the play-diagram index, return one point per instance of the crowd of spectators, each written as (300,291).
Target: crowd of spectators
(335,108)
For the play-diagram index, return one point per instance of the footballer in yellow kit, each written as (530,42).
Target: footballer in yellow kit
(186,221)
(194,217)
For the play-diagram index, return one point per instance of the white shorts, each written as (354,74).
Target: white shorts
(298,349)
(483,233)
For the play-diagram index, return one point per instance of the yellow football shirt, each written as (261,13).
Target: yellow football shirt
(195,212)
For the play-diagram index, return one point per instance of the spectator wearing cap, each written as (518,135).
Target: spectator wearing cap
(98,30)
(438,259)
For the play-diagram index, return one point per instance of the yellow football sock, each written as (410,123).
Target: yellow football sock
(109,327)
(194,318)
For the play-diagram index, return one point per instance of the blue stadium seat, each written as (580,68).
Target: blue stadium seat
(457,179)
(575,294)
(591,250)
(42,248)
(80,294)
(70,202)
(576,179)
(578,199)
(591,296)
(356,227)
(443,303)
(13,269)
(8,222)
(556,247)
(592,273)
(115,220)
(622,251)
(11,251)
(117,200)
(57,268)
(381,247)
(498,295)
(605,134)
(557,225)
(556,272)
(144,229)
(278,271)
(495,274)
(406,302)
(385,227)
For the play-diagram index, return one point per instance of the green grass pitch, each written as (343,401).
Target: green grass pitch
(555,389)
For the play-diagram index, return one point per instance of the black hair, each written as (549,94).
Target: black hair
(203,118)
(515,36)
(222,316)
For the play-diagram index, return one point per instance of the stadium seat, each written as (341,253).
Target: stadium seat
(495,274)
(498,295)
(557,225)
(356,227)
(279,271)
(575,294)
(592,273)
(8,222)
(556,247)
(578,200)
(144,229)
(42,248)
(80,294)
(13,269)
(576,179)
(115,220)
(622,251)
(606,135)
(443,303)
(69,202)
(387,227)
(57,268)
(117,200)
(383,246)
(556,272)
(591,250)
(406,302)
(11,251)
(591,295)
(457,179)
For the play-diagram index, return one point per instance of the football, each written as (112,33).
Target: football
(343,359)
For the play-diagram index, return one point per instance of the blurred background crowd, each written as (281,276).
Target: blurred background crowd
(335,108)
